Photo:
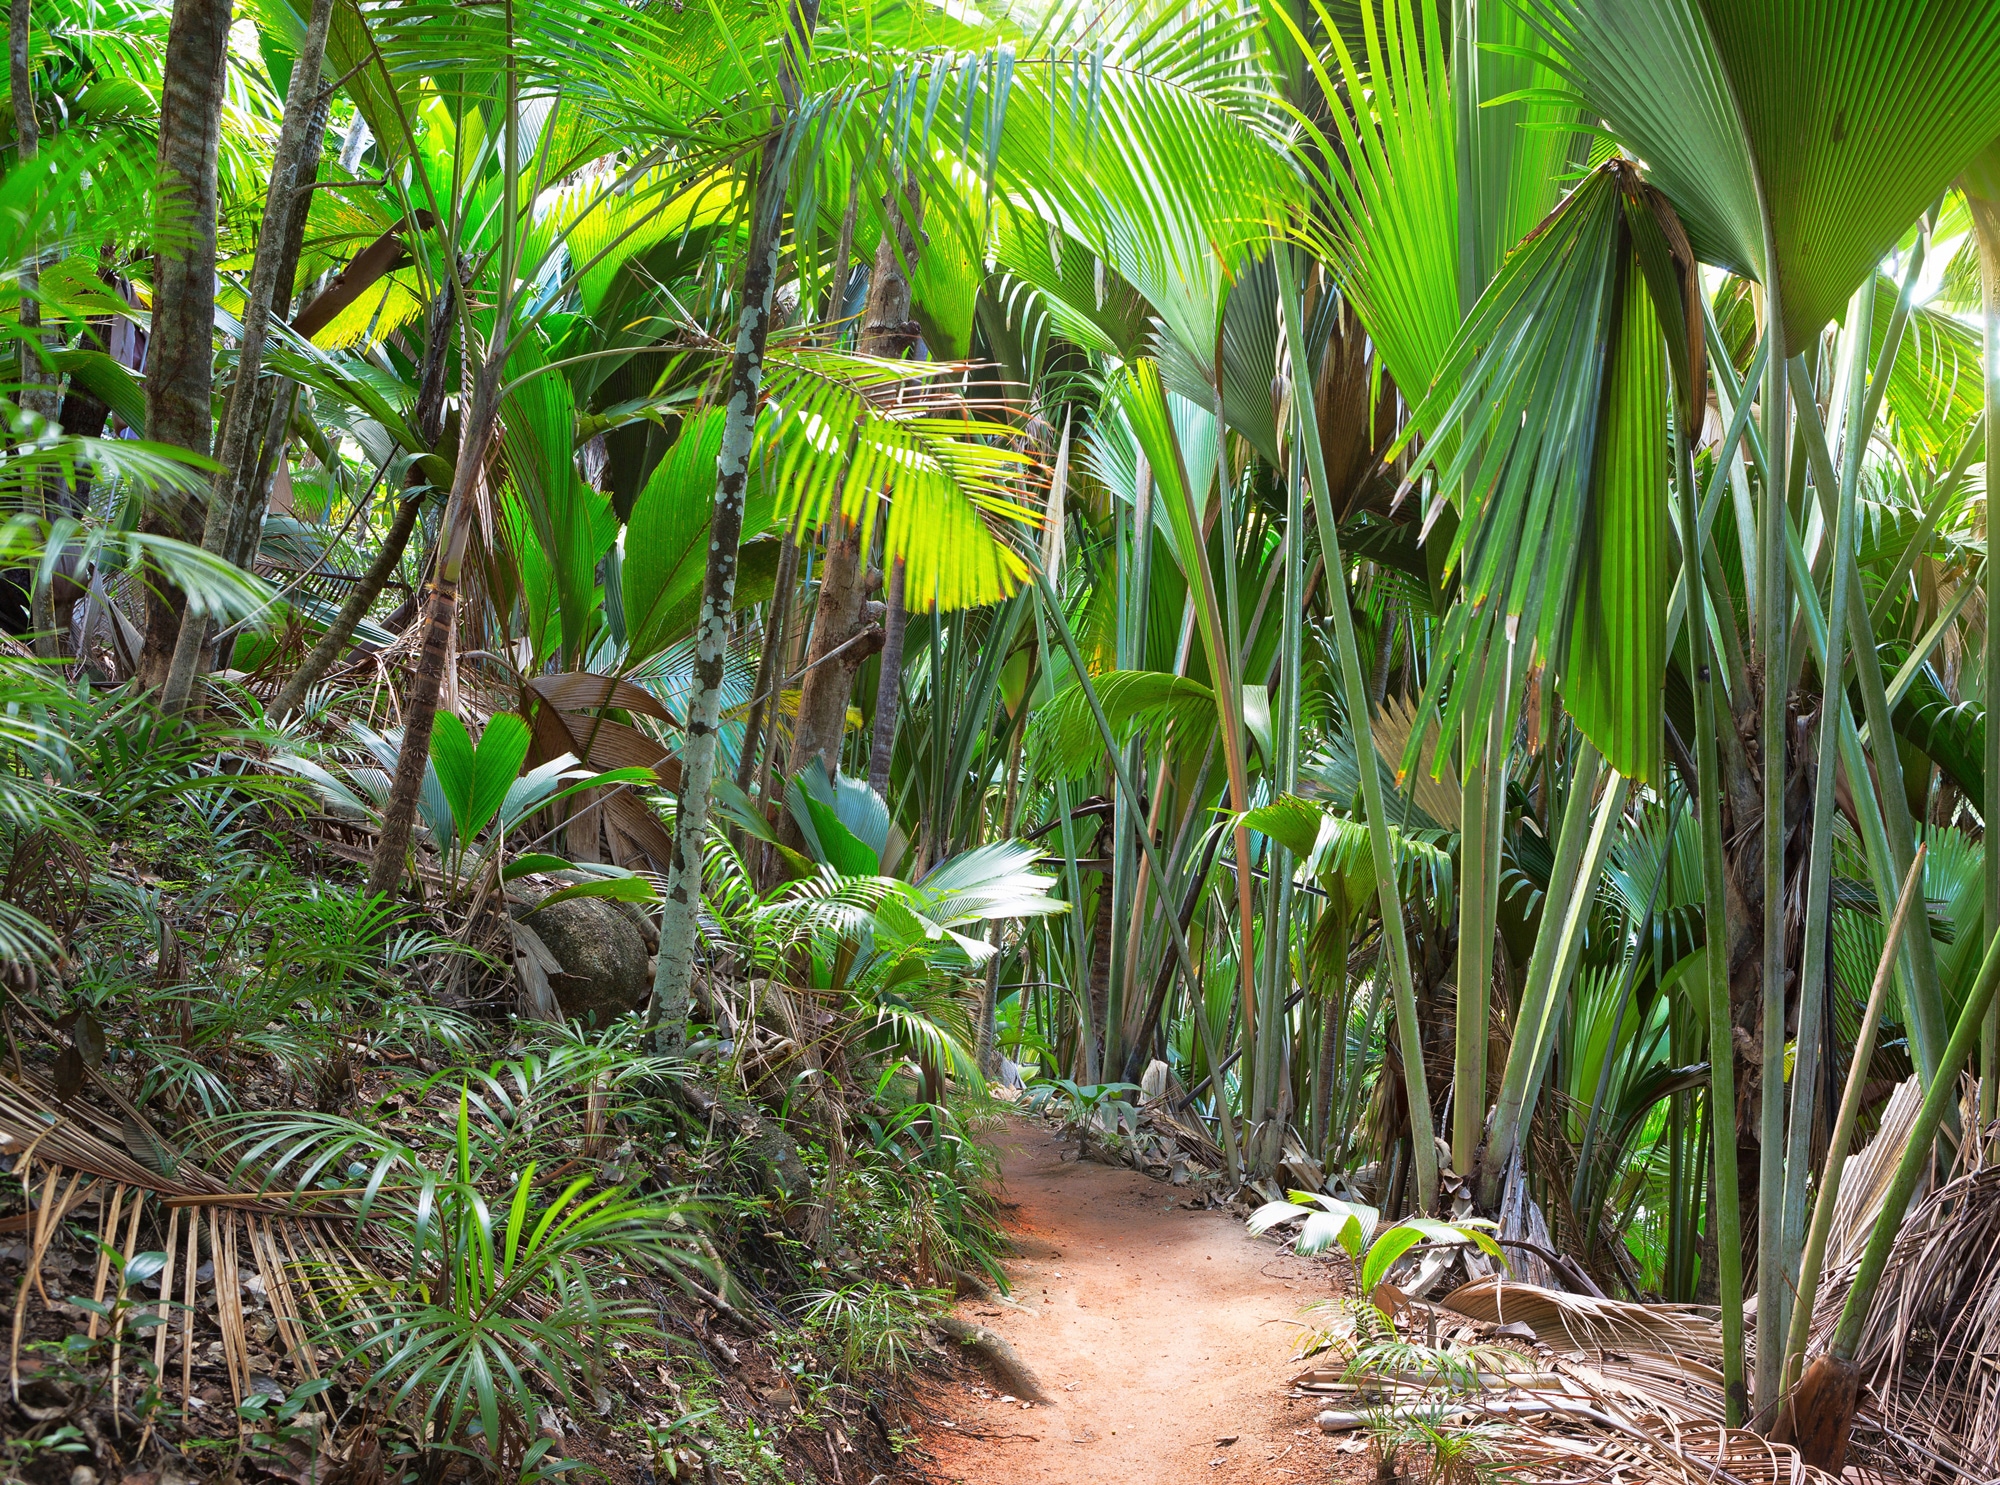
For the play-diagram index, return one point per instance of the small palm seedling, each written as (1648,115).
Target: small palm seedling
(869,1327)
(497,1308)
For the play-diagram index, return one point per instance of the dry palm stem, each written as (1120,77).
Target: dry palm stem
(1843,1130)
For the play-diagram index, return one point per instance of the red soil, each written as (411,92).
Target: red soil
(1161,1335)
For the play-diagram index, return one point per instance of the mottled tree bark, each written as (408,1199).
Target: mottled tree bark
(889,690)
(180,346)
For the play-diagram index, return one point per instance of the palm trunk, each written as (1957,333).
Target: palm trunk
(420,712)
(989,998)
(673,980)
(843,591)
(889,690)
(1100,976)
(1723,1231)
(829,676)
(249,406)
(180,343)
(1485,796)
(428,424)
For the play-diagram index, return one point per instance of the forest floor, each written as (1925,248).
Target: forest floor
(1162,1335)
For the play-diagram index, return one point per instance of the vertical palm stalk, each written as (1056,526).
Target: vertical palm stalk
(889,689)
(840,612)
(673,979)
(38,393)
(1725,1221)
(1771,656)
(1580,847)
(428,424)
(1886,825)
(392,847)
(1833,661)
(1478,888)
(770,678)
(1355,688)
(1843,1130)
(1190,976)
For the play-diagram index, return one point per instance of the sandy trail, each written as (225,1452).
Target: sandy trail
(1162,1335)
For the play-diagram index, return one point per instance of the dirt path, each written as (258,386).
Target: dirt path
(1160,1333)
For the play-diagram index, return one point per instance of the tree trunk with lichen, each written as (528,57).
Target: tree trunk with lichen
(180,346)
(673,980)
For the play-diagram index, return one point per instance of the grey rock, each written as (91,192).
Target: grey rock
(603,959)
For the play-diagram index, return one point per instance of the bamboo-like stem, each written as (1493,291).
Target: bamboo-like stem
(1843,1130)
(1725,1220)
(1770,655)
(1190,975)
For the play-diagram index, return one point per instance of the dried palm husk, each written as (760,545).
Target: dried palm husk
(1932,1331)
(1865,1176)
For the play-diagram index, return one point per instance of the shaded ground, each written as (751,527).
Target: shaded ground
(1158,1333)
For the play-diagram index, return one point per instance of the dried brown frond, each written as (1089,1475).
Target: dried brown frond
(1589,1323)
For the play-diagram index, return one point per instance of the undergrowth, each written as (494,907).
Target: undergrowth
(513,1249)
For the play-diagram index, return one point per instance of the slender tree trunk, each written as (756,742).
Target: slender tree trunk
(838,616)
(886,330)
(180,345)
(420,713)
(770,678)
(673,981)
(428,424)
(38,388)
(249,406)
(889,691)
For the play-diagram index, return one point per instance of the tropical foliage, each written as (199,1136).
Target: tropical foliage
(1422,567)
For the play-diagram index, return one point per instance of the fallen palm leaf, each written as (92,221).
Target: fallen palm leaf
(1590,1323)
